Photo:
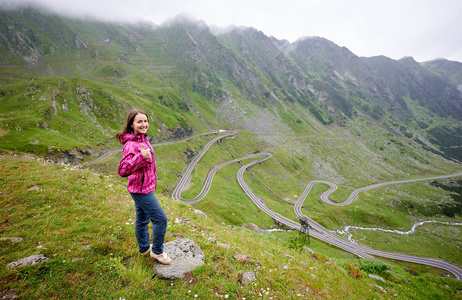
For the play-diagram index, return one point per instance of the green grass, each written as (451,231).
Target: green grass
(47,115)
(94,255)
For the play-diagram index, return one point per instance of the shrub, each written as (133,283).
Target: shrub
(353,270)
(372,266)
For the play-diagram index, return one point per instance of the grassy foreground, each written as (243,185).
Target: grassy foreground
(83,222)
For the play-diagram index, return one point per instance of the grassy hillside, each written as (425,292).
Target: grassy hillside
(355,156)
(46,115)
(93,253)
(189,78)
(66,85)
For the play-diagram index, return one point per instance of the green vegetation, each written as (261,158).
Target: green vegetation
(448,138)
(93,254)
(66,86)
(46,115)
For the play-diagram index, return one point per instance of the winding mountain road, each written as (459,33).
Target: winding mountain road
(318,231)
(354,195)
(186,175)
(116,150)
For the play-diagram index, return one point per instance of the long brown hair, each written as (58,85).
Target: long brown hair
(128,126)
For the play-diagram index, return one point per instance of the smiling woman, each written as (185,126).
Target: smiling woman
(140,124)
(139,165)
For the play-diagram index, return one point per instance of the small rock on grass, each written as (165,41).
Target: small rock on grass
(35,188)
(256,228)
(247,277)
(12,239)
(379,287)
(30,260)
(200,213)
(376,277)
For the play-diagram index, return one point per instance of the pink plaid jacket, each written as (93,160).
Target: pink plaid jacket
(141,173)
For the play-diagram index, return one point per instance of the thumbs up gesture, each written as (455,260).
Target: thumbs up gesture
(145,152)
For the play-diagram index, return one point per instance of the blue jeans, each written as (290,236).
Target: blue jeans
(148,209)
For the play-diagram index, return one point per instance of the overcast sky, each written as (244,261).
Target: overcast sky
(423,29)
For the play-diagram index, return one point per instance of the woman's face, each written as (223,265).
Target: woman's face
(140,124)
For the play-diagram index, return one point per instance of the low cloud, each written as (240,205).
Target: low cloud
(394,28)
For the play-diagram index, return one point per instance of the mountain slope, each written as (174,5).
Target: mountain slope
(407,78)
(449,69)
(242,79)
(322,112)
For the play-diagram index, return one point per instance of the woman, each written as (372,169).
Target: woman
(139,165)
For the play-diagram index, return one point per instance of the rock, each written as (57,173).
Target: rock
(223,245)
(247,277)
(186,255)
(85,152)
(76,259)
(376,277)
(189,154)
(308,250)
(214,241)
(12,239)
(379,287)
(34,188)
(9,294)
(200,213)
(211,240)
(256,229)
(31,260)
(184,221)
(76,154)
(178,132)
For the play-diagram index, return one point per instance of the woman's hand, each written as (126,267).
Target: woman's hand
(145,152)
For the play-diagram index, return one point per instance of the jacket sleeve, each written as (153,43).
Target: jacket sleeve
(131,161)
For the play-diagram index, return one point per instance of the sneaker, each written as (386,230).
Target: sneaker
(162,258)
(146,253)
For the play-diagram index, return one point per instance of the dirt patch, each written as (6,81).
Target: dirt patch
(9,293)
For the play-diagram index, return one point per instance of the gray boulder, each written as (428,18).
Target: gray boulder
(12,239)
(186,255)
(200,213)
(256,229)
(379,287)
(376,277)
(30,260)
(247,277)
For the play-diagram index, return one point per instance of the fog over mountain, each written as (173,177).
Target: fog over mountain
(396,29)
(183,66)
